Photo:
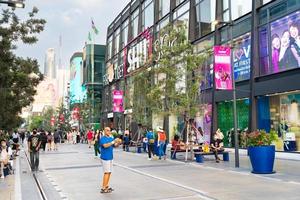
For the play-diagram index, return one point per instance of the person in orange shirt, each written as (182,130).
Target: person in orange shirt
(161,142)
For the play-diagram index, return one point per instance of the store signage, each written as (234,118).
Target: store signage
(222,68)
(241,59)
(162,41)
(139,52)
(110,115)
(118,71)
(118,101)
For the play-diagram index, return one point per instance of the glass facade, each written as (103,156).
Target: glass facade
(117,41)
(277,41)
(164,8)
(124,34)
(205,15)
(147,14)
(135,23)
(109,47)
(240,8)
(182,15)
(281,113)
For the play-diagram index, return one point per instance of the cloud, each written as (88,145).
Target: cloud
(88,4)
(70,16)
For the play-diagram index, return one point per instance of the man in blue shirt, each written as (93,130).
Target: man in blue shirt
(106,143)
(151,139)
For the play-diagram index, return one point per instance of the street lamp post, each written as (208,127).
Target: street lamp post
(14,3)
(236,138)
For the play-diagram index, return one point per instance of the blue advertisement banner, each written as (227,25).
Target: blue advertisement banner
(241,58)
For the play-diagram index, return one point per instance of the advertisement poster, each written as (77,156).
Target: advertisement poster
(223,80)
(118,101)
(241,58)
(285,43)
(207,122)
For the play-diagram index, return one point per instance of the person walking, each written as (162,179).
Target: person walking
(43,140)
(49,141)
(95,141)
(161,142)
(34,144)
(74,135)
(56,137)
(151,139)
(107,142)
(89,136)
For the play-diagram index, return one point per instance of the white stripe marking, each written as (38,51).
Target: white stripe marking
(18,193)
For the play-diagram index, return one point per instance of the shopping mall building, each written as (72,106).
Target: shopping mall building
(266,61)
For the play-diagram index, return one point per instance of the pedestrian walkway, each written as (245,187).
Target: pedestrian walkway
(7,186)
(74,173)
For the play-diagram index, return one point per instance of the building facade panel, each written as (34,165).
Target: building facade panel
(267,73)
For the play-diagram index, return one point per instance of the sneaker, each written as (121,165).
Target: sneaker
(149,159)
(217,161)
(2,177)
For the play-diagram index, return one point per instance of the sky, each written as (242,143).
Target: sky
(72,20)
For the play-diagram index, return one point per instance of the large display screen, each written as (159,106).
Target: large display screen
(77,90)
(285,43)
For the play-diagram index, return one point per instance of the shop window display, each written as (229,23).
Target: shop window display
(285,121)
(225,121)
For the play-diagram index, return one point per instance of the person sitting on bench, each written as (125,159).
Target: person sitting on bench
(217,144)
(177,144)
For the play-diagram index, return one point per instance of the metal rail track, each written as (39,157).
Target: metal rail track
(37,182)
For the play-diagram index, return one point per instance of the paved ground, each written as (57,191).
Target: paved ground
(73,173)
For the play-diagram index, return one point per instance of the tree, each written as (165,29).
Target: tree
(47,116)
(64,117)
(19,76)
(36,122)
(171,87)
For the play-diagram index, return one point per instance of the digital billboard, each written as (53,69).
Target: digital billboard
(77,90)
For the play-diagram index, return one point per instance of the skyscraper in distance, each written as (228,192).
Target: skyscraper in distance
(50,66)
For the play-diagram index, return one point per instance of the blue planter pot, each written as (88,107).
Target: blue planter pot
(262,159)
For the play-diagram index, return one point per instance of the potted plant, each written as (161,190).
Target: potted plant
(261,151)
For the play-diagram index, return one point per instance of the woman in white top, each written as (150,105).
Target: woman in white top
(5,154)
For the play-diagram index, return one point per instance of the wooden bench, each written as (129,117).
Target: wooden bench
(200,155)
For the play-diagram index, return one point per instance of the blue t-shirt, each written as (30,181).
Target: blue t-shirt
(150,137)
(106,153)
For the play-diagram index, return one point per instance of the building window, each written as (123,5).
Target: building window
(226,10)
(240,8)
(163,23)
(124,34)
(205,15)
(179,2)
(265,1)
(117,41)
(263,51)
(109,47)
(135,23)
(147,14)
(164,8)
(181,16)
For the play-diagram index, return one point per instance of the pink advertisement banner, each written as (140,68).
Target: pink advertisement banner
(222,68)
(118,101)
